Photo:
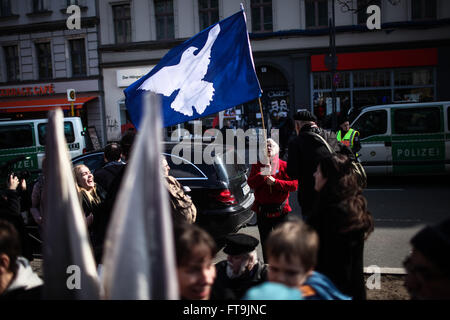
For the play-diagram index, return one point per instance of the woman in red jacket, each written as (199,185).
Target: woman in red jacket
(271,185)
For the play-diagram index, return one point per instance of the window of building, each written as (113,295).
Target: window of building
(417,120)
(122,23)
(316,12)
(262,15)
(423,9)
(5,8)
(208,12)
(12,63)
(39,6)
(44,57)
(375,78)
(164,19)
(362,9)
(322,80)
(416,77)
(361,88)
(371,123)
(78,57)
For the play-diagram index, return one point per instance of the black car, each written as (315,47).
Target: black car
(219,190)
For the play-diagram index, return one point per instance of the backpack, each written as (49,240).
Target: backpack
(336,147)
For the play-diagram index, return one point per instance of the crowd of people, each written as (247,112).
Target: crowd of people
(317,257)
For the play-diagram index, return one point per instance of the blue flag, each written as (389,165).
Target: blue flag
(208,73)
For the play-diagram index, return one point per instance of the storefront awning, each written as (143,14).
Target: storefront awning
(42,104)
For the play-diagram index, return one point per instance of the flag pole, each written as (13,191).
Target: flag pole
(264,133)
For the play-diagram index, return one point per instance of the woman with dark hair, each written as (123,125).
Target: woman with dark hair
(195,250)
(343,222)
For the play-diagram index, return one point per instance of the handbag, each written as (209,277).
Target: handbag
(272,210)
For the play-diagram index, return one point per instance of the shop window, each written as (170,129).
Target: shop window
(122,23)
(164,19)
(12,63)
(16,136)
(364,79)
(208,12)
(414,95)
(423,9)
(262,15)
(322,80)
(44,57)
(371,123)
(68,132)
(78,57)
(362,9)
(5,8)
(417,77)
(316,13)
(417,120)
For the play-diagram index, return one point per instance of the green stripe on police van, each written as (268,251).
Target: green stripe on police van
(421,169)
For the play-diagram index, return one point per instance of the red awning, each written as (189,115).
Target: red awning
(42,104)
(379,59)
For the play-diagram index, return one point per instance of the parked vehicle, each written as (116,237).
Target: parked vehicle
(22,143)
(400,139)
(219,190)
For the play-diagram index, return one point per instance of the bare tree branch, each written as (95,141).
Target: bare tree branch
(348,5)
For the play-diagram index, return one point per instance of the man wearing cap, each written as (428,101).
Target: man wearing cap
(348,136)
(242,269)
(428,265)
(304,153)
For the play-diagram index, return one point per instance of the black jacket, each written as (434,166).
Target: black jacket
(340,255)
(225,288)
(305,153)
(10,208)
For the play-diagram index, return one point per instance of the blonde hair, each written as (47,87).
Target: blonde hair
(91,194)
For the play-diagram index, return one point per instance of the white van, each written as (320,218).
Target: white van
(25,140)
(411,138)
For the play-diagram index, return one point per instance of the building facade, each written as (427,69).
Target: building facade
(405,60)
(41,57)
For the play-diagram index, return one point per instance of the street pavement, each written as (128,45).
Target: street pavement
(400,206)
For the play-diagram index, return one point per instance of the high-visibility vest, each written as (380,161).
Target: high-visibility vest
(348,138)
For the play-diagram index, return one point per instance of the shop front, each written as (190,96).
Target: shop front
(33,101)
(372,78)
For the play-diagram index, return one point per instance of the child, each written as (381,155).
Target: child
(292,254)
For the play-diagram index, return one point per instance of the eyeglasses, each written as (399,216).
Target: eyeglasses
(421,271)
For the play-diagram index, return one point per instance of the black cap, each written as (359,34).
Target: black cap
(304,115)
(434,243)
(342,118)
(239,243)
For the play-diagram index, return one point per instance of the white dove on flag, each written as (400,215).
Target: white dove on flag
(187,76)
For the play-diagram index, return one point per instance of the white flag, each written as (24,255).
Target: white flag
(139,254)
(69,265)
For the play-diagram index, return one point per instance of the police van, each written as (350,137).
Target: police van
(22,143)
(401,139)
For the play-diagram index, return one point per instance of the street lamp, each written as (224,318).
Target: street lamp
(333,64)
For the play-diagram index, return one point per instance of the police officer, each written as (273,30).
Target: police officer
(348,136)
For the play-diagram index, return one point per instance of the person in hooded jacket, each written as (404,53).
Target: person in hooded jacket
(17,279)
